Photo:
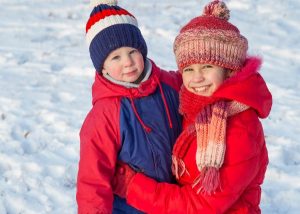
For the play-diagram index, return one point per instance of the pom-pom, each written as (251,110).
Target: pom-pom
(95,3)
(217,9)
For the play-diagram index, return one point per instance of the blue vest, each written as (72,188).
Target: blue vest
(151,152)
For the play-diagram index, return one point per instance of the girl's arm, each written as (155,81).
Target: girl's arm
(152,197)
(241,174)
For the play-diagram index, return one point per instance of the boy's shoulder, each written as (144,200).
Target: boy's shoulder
(171,78)
(106,106)
(104,113)
(103,109)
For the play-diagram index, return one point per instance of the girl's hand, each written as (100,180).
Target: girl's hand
(122,178)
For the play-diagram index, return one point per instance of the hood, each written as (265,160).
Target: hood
(103,88)
(248,87)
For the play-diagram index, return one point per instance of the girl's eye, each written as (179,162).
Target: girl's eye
(207,66)
(187,69)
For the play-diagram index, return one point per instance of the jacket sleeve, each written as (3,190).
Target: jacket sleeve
(99,146)
(236,176)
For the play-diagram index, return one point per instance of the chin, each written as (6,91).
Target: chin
(131,80)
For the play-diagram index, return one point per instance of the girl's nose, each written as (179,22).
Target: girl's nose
(198,76)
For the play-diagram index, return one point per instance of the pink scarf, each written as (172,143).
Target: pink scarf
(208,116)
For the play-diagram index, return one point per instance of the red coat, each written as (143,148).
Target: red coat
(245,163)
(112,131)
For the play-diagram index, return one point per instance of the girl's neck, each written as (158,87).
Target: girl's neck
(191,104)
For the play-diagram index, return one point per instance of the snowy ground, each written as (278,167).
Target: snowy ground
(46,76)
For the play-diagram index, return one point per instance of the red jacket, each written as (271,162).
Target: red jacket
(115,130)
(245,163)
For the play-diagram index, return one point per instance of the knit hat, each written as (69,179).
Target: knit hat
(210,38)
(110,27)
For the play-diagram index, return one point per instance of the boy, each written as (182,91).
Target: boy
(134,117)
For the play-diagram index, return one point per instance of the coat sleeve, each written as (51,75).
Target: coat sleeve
(236,176)
(99,146)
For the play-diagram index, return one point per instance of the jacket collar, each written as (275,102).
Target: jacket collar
(147,70)
(248,87)
(104,88)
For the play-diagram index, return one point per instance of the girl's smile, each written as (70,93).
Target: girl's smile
(203,79)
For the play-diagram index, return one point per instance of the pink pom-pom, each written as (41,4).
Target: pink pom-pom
(217,9)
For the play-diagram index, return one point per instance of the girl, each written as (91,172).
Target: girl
(220,158)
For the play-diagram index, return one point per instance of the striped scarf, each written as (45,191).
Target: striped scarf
(209,117)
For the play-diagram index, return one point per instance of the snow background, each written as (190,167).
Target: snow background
(45,92)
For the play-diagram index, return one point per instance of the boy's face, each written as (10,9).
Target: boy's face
(203,79)
(124,64)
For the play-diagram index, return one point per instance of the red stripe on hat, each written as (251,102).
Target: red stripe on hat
(103,14)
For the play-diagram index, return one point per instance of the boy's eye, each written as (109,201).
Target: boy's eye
(115,57)
(132,51)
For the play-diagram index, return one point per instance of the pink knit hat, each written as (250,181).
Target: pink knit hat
(210,38)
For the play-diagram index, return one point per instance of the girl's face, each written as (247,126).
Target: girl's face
(124,64)
(203,79)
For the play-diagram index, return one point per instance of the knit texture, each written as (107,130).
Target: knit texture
(110,27)
(210,38)
(209,129)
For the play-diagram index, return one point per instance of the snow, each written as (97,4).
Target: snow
(46,76)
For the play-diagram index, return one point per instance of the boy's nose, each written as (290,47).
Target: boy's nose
(128,61)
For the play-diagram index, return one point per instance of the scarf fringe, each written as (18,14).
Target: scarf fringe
(178,167)
(208,181)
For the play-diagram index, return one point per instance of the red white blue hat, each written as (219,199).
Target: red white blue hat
(110,27)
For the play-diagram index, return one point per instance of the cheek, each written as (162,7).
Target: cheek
(141,66)
(185,83)
(140,62)
(219,80)
(114,71)
(186,80)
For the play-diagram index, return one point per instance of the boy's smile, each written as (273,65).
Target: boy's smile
(124,64)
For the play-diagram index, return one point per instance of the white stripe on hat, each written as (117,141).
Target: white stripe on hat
(107,22)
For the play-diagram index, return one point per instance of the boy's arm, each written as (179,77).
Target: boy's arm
(99,146)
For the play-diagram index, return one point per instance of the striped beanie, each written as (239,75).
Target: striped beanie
(110,27)
(211,39)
